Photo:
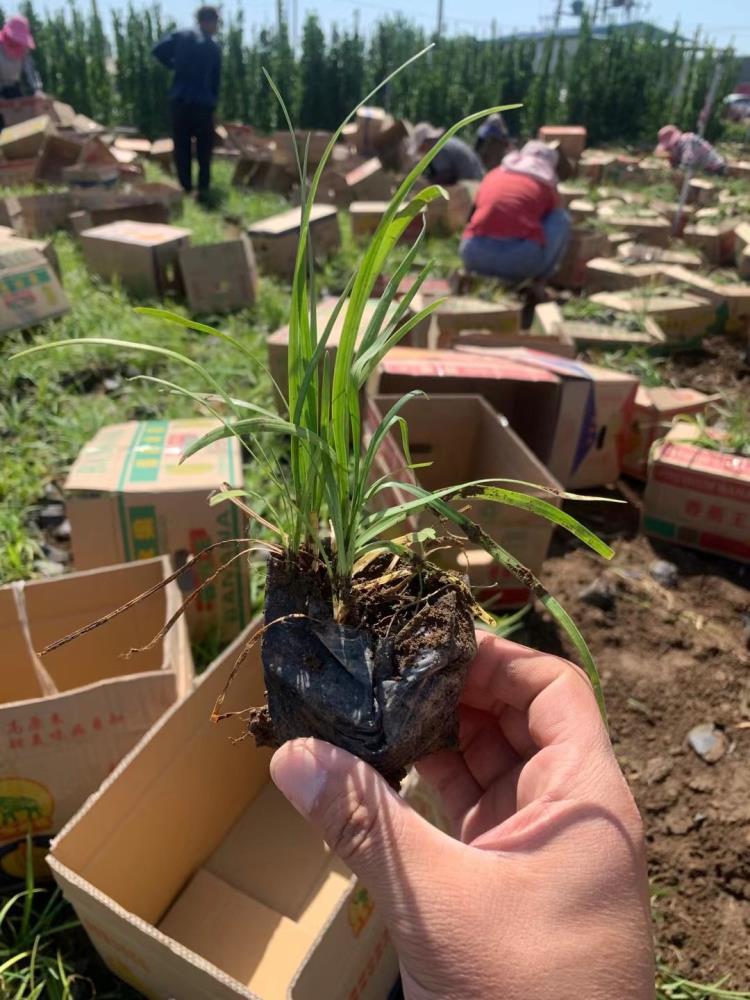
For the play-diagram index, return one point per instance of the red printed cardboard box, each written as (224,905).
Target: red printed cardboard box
(67,719)
(129,498)
(195,878)
(653,412)
(698,497)
(462,439)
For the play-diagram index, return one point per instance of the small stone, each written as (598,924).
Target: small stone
(599,594)
(708,742)
(703,783)
(47,568)
(62,532)
(657,769)
(50,515)
(665,573)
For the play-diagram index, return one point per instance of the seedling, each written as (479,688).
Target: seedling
(366,641)
(730,434)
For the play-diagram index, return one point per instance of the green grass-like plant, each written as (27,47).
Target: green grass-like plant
(328,496)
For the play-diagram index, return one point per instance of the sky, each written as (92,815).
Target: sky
(722,19)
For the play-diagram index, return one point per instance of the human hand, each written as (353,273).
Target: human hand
(543,895)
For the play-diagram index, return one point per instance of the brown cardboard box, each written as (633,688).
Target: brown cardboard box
(462,439)
(29,288)
(87,126)
(315,142)
(654,411)
(17,172)
(365,216)
(21,109)
(45,247)
(742,249)
(682,316)
(227,892)
(278,342)
(162,152)
(731,301)
(448,217)
(698,497)
(96,151)
(142,255)
(79,222)
(221,277)
(583,446)
(91,175)
(106,207)
(128,145)
(548,331)
(24,140)
(594,163)
(40,214)
(370,122)
(461,313)
(129,498)
(645,228)
(67,719)
(275,239)
(702,191)
(389,144)
(369,182)
(58,152)
(641,253)
(605,274)
(588,334)
(572,138)
(716,242)
(581,209)
(583,246)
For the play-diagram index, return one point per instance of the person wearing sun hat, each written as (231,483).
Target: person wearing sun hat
(519,229)
(687,150)
(16,65)
(455,162)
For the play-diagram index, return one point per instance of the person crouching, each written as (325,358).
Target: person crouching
(518,230)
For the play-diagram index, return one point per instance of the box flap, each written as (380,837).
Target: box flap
(289,221)
(144,457)
(146,234)
(668,401)
(482,363)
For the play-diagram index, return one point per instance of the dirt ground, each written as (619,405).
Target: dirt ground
(672,658)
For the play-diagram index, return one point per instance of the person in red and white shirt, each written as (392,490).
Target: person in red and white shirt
(518,230)
(688,150)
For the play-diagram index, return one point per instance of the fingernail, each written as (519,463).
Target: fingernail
(298,775)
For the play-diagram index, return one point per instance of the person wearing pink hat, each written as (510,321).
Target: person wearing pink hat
(518,230)
(17,70)
(687,150)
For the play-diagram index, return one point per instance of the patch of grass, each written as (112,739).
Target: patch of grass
(635,361)
(583,309)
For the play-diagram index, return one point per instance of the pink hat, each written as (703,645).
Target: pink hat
(536,159)
(669,136)
(16,30)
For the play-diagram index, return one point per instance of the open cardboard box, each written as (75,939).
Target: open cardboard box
(194,878)
(69,718)
(462,439)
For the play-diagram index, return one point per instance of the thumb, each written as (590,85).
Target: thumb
(385,843)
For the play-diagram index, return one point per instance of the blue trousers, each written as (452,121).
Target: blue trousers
(515,260)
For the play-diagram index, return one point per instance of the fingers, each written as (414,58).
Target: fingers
(554,696)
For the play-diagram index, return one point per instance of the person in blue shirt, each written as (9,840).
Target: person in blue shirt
(195,59)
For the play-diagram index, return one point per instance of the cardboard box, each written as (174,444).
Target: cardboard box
(143,256)
(67,719)
(581,209)
(162,152)
(702,191)
(682,316)
(227,891)
(221,277)
(370,182)
(58,152)
(278,342)
(462,313)
(605,274)
(29,288)
(646,228)
(315,142)
(572,138)
(698,497)
(91,175)
(594,163)
(716,242)
(451,216)
(584,245)
(275,239)
(655,409)
(731,301)
(45,247)
(96,151)
(21,109)
(14,173)
(40,214)
(79,222)
(462,439)
(742,249)
(630,252)
(141,147)
(365,217)
(128,498)
(24,140)
(583,446)
(590,334)
(370,122)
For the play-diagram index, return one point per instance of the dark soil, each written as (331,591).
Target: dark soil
(671,660)
(385,685)
(723,364)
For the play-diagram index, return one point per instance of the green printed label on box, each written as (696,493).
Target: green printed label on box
(142,532)
(144,455)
